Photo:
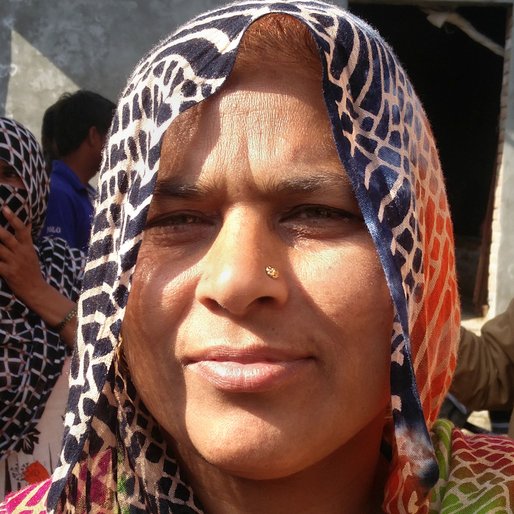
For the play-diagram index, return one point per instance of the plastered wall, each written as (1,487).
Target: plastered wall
(501,268)
(48,47)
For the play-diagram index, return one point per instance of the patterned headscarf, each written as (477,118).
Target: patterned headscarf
(113,450)
(19,148)
(31,353)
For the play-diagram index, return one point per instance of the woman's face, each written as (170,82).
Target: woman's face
(261,377)
(9,176)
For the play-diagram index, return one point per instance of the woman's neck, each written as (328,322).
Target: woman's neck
(350,480)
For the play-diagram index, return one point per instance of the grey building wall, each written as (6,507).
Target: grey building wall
(51,46)
(501,269)
(48,47)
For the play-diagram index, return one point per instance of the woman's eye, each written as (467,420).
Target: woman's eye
(181,219)
(322,212)
(9,173)
(180,228)
(318,212)
(321,221)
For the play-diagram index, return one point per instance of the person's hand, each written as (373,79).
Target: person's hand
(19,263)
(19,266)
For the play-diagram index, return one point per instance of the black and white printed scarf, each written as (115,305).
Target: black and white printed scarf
(31,353)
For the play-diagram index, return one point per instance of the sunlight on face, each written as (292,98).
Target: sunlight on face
(261,377)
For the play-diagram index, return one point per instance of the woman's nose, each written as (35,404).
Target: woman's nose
(244,268)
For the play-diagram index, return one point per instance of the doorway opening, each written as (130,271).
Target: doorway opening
(459,82)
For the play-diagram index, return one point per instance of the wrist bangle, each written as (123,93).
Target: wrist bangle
(66,320)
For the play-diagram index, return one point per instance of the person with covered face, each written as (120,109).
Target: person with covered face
(270,317)
(40,281)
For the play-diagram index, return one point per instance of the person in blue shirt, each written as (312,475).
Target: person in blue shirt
(74,130)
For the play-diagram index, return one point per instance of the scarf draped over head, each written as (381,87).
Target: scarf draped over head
(385,145)
(19,148)
(31,353)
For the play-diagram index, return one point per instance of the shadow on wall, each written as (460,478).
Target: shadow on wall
(49,47)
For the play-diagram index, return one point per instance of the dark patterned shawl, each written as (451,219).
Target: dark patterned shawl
(31,354)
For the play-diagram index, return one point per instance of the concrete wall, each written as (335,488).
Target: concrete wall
(49,47)
(501,267)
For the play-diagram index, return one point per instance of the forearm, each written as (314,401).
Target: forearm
(20,267)
(484,378)
(52,307)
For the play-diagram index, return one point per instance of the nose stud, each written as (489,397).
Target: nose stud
(272,272)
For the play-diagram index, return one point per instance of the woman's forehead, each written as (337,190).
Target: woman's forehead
(254,95)
(240,165)
(251,127)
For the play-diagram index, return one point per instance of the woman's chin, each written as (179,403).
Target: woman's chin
(252,465)
(254,451)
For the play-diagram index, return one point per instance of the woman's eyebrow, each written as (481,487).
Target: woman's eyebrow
(308,183)
(178,187)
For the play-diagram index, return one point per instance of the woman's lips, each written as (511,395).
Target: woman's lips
(247,371)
